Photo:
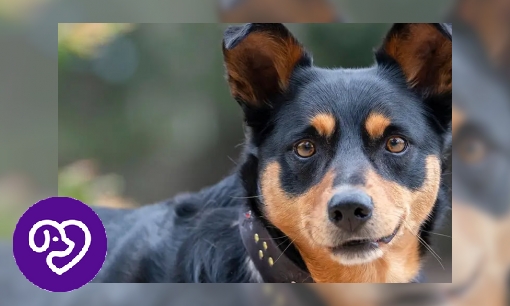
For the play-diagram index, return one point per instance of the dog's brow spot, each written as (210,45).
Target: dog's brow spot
(376,124)
(324,124)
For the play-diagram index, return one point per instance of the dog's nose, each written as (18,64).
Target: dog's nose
(349,210)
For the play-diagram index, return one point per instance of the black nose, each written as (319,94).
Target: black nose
(350,209)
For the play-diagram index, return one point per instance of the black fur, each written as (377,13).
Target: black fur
(187,239)
(194,237)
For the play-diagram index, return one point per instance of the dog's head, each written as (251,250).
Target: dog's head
(347,162)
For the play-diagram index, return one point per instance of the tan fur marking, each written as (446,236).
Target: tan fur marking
(324,124)
(414,52)
(304,220)
(283,52)
(390,197)
(376,124)
(422,199)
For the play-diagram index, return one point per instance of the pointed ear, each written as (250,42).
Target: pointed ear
(424,53)
(260,59)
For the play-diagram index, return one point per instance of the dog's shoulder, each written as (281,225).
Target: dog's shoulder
(135,238)
(213,252)
(164,242)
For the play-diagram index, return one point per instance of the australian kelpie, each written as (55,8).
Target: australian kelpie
(340,179)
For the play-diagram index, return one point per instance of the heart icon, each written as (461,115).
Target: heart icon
(61,229)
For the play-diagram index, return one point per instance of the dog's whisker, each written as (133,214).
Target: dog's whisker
(284,251)
(424,243)
(273,238)
(428,247)
(304,280)
(421,230)
(438,234)
(284,242)
(209,242)
(431,251)
(232,160)
(250,197)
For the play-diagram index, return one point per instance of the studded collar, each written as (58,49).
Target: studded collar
(272,264)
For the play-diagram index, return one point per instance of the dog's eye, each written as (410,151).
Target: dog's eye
(396,144)
(304,148)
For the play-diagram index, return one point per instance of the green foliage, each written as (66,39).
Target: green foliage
(82,181)
(172,125)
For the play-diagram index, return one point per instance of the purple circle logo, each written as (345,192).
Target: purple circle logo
(59,244)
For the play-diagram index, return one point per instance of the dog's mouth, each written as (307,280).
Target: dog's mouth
(361,245)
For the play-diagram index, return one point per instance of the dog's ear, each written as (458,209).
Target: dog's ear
(259,59)
(424,53)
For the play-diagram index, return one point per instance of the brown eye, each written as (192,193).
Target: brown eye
(304,148)
(396,144)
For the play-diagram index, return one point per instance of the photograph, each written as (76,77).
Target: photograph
(177,153)
(264,152)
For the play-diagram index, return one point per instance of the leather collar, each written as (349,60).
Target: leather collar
(272,264)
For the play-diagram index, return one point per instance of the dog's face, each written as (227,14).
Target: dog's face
(349,160)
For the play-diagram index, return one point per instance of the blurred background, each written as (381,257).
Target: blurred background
(145,109)
(29,132)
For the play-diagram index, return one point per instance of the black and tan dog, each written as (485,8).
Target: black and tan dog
(340,180)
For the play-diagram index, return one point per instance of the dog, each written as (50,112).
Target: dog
(340,179)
